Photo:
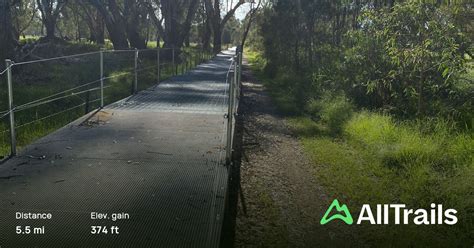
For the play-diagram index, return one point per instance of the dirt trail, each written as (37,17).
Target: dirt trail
(283,199)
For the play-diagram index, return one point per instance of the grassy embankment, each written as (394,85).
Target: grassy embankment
(369,157)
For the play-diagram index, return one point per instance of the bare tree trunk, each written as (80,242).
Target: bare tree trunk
(214,12)
(132,19)
(217,38)
(7,40)
(99,29)
(170,14)
(249,24)
(176,32)
(50,10)
(117,35)
(114,23)
(206,39)
(50,26)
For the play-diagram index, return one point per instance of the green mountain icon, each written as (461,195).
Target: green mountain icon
(347,217)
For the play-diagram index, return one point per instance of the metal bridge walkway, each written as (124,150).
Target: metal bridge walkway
(157,156)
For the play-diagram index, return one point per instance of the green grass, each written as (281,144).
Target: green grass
(373,158)
(278,87)
(380,161)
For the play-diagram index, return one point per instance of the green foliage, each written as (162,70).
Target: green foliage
(406,145)
(418,53)
(28,39)
(378,160)
(407,59)
(334,111)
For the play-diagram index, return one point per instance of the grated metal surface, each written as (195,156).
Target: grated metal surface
(157,156)
(202,90)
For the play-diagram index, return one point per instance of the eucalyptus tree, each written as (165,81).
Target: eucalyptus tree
(94,21)
(50,11)
(219,14)
(24,15)
(8,39)
(250,19)
(173,19)
(124,21)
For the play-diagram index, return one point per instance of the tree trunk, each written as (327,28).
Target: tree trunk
(100,31)
(217,39)
(114,23)
(206,41)
(7,40)
(133,24)
(95,22)
(135,39)
(214,12)
(50,11)
(132,18)
(185,29)
(117,35)
(170,15)
(186,41)
(246,32)
(96,28)
(50,29)
(175,32)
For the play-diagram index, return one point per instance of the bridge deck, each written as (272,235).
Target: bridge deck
(157,156)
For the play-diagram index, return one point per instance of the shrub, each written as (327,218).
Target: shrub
(313,107)
(335,111)
(372,130)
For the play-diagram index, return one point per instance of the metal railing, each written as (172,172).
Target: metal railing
(113,69)
(234,80)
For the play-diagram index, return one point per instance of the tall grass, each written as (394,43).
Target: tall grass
(368,157)
(379,160)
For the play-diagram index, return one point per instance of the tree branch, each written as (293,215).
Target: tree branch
(231,12)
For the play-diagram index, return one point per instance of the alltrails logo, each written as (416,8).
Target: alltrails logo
(401,215)
(347,217)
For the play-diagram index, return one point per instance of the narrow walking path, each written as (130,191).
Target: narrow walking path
(156,158)
(282,202)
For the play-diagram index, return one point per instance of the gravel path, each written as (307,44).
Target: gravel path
(283,200)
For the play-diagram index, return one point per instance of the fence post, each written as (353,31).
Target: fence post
(88,97)
(8,64)
(158,62)
(230,118)
(101,78)
(173,62)
(236,78)
(240,66)
(230,112)
(135,84)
